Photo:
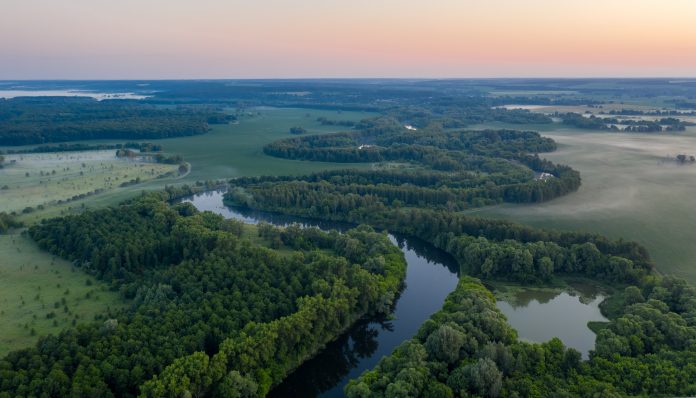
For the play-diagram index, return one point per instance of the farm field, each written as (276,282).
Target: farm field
(632,188)
(42,294)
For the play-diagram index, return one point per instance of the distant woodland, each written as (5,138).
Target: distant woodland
(431,167)
(40,120)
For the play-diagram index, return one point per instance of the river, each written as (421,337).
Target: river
(430,276)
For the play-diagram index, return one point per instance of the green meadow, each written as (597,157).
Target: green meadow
(236,150)
(44,179)
(632,188)
(42,294)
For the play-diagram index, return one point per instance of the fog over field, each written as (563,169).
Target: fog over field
(633,188)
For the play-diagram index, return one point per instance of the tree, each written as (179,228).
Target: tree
(482,378)
(444,344)
(545,267)
(633,295)
(234,385)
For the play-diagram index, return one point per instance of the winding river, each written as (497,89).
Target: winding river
(431,275)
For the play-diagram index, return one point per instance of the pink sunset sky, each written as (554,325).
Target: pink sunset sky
(141,39)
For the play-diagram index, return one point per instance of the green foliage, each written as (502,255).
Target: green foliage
(488,248)
(74,147)
(630,360)
(444,344)
(35,120)
(451,169)
(210,311)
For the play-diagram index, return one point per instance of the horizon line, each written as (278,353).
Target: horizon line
(647,77)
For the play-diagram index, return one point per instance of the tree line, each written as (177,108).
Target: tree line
(76,147)
(40,120)
(593,122)
(445,169)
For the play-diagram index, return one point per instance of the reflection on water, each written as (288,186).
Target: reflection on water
(539,315)
(430,276)
(325,371)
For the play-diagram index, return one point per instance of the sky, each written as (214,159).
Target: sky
(166,39)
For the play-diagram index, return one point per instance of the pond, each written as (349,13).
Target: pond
(431,275)
(541,314)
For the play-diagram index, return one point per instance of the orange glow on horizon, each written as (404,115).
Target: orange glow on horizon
(313,38)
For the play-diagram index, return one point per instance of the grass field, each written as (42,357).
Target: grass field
(631,189)
(45,179)
(236,150)
(41,294)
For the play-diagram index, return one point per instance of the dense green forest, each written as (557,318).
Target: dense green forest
(452,170)
(468,349)
(491,248)
(432,167)
(211,312)
(38,120)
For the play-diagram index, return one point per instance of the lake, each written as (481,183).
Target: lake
(541,314)
(69,93)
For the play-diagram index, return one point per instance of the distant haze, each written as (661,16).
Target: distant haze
(109,39)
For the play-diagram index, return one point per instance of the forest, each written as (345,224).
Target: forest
(436,168)
(40,120)
(212,310)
